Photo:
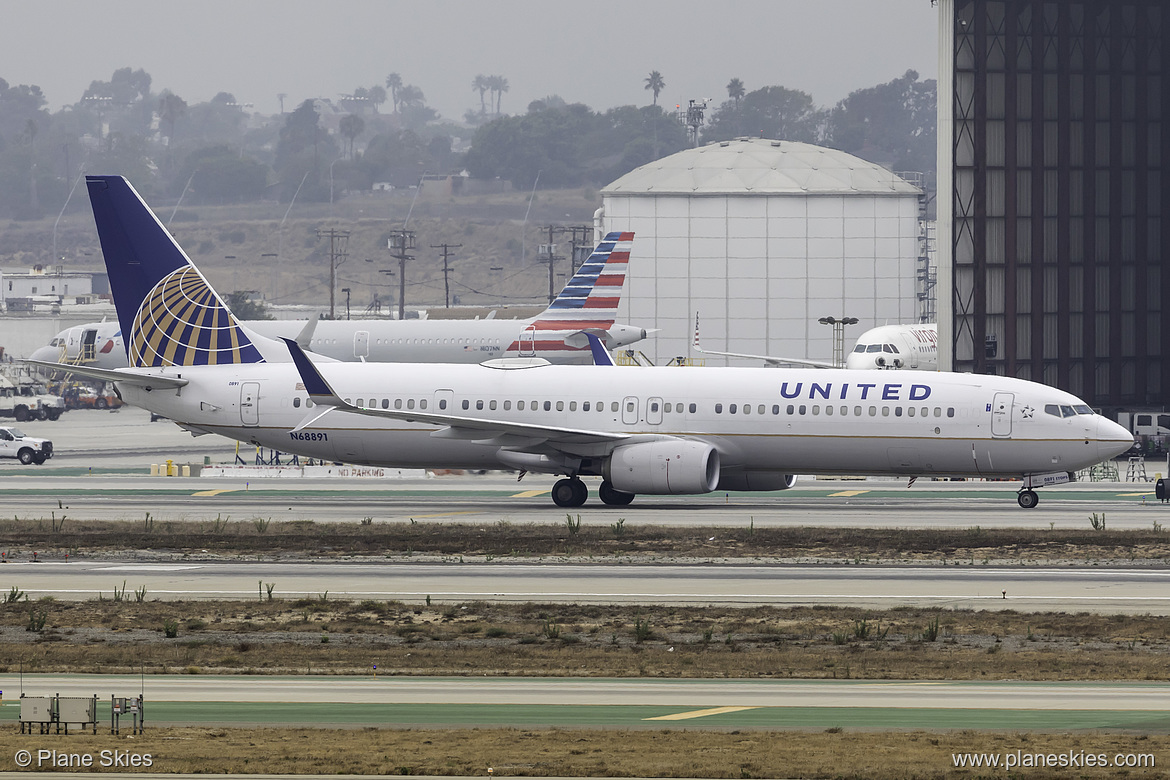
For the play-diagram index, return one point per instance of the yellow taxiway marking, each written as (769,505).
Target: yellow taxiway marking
(214,492)
(701,713)
(531,493)
(847,493)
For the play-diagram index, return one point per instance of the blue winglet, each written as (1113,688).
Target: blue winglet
(601,356)
(315,384)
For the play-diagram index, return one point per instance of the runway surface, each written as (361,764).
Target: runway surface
(1022,588)
(102,465)
(686,703)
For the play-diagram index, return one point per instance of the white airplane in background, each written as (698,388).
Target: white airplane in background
(655,431)
(886,346)
(588,302)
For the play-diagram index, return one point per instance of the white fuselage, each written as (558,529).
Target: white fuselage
(896,346)
(379,341)
(797,420)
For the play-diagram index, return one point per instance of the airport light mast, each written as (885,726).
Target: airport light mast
(838,324)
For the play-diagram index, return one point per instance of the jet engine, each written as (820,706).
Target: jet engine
(756,480)
(671,466)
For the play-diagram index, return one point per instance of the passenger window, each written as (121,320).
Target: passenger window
(466,404)
(613,407)
(760,409)
(572,406)
(507,406)
(950,411)
(885,411)
(296,403)
(938,411)
(548,406)
(584,406)
(666,407)
(442,403)
(747,408)
(520,405)
(654,406)
(829,410)
(386,403)
(910,411)
(309,403)
(422,404)
(802,408)
(731,408)
(492,405)
(857,411)
(479,405)
(718,408)
(790,409)
(924,411)
(629,406)
(844,410)
(360,402)
(410,403)
(898,411)
(693,407)
(560,406)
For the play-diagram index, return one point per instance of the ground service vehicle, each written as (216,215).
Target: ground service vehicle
(15,444)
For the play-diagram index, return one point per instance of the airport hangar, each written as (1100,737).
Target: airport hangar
(1053,241)
(762,238)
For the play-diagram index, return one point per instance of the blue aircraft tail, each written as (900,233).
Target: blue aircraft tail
(170,315)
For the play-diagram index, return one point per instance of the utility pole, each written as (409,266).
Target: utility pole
(580,238)
(338,244)
(400,243)
(446,269)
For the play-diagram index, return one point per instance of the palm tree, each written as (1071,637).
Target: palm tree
(735,91)
(655,84)
(498,85)
(481,85)
(281,96)
(351,126)
(377,96)
(170,108)
(394,83)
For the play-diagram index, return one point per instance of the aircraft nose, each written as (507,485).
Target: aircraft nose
(48,354)
(1112,439)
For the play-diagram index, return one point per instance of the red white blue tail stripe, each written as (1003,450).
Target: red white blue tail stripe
(589,300)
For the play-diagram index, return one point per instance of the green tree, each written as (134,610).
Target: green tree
(377,96)
(892,124)
(350,127)
(770,112)
(220,174)
(480,84)
(655,84)
(303,144)
(394,83)
(171,108)
(245,307)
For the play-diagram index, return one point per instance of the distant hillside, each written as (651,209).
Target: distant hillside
(238,247)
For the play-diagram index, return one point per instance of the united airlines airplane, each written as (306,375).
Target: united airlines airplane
(588,302)
(654,431)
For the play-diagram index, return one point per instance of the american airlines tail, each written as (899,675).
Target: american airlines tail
(169,314)
(588,302)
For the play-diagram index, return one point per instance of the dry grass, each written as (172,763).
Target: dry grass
(592,753)
(254,536)
(342,637)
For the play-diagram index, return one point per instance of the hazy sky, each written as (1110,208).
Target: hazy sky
(598,52)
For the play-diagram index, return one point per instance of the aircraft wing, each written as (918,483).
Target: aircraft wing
(770,359)
(121,375)
(504,433)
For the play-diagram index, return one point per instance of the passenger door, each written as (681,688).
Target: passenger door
(250,403)
(361,344)
(1001,415)
(654,411)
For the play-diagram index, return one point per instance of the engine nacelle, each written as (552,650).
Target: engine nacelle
(756,480)
(674,466)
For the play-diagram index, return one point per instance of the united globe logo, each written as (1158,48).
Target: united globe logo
(182,322)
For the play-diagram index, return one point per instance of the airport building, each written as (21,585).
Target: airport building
(1052,233)
(761,239)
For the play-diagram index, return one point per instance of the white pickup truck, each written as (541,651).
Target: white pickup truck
(14,444)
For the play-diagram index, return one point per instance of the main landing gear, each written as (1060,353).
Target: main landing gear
(571,492)
(1027,498)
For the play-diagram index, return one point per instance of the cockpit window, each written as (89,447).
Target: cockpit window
(1083,409)
(892,348)
(874,348)
(1052,409)
(1067,411)
(859,348)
